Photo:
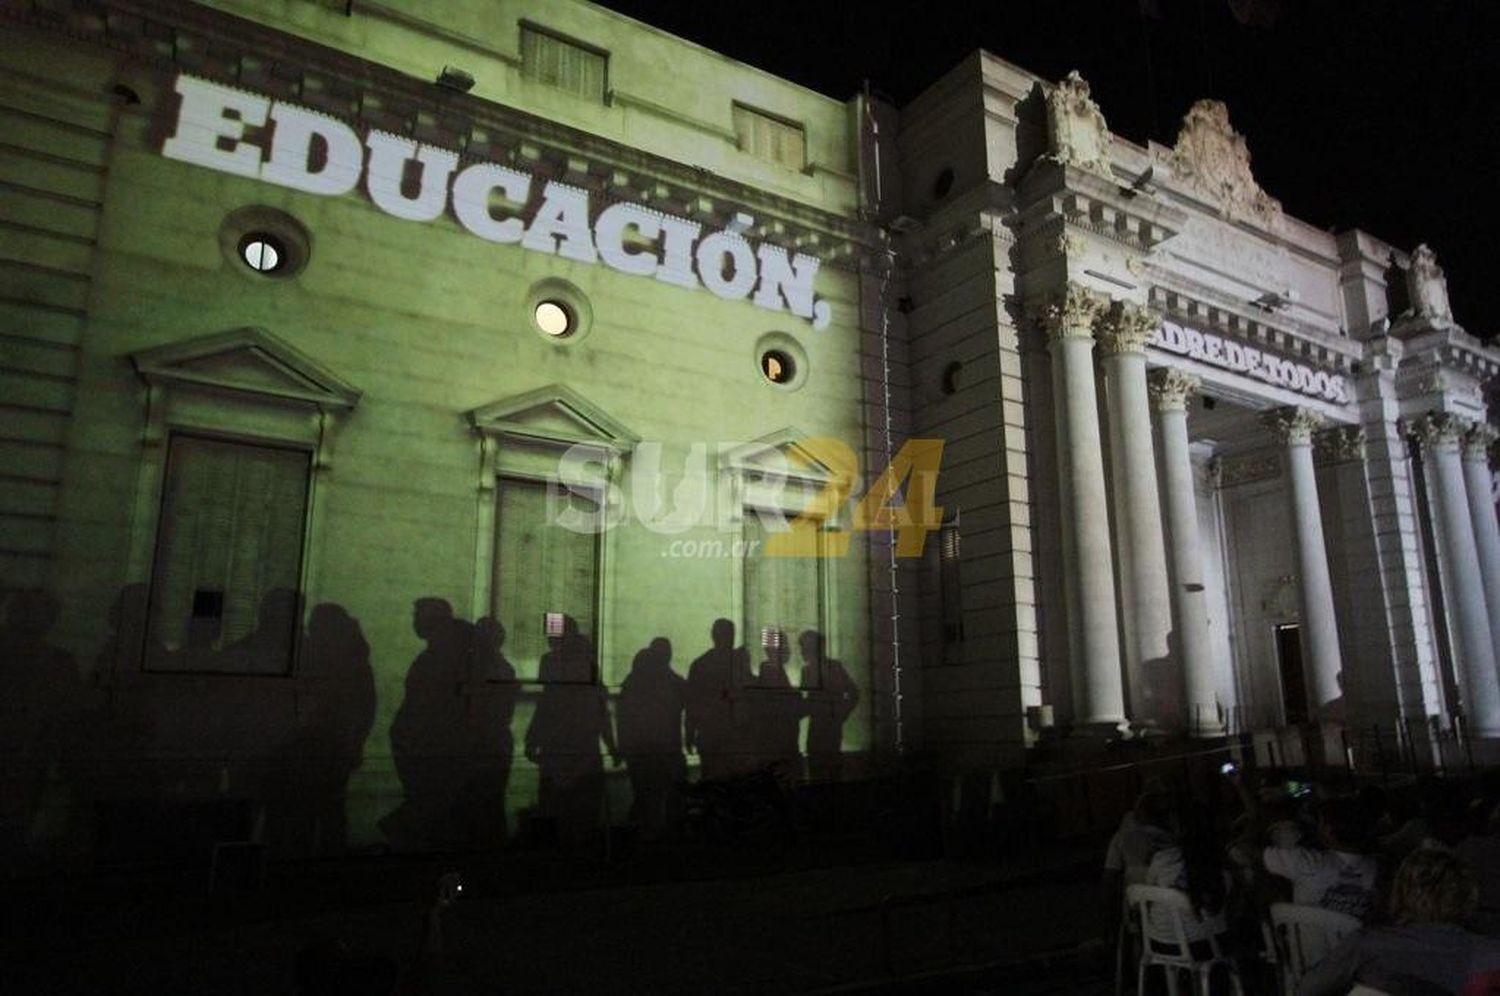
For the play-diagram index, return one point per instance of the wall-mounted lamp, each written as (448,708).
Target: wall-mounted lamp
(455,79)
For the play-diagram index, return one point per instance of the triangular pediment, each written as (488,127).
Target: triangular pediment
(788,452)
(556,414)
(248,361)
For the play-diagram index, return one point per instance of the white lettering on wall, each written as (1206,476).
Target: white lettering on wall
(1244,359)
(318,154)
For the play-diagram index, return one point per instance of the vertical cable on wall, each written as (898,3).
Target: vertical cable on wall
(888,433)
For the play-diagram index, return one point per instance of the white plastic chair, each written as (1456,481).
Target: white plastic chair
(1157,906)
(1303,936)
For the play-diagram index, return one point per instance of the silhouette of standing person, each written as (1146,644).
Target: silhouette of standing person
(427,731)
(714,712)
(831,698)
(649,715)
(570,721)
(330,739)
(491,746)
(38,707)
(777,710)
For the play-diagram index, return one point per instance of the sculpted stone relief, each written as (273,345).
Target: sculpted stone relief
(1076,132)
(1215,160)
(1427,288)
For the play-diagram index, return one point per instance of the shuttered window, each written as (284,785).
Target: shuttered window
(224,586)
(781,593)
(543,572)
(771,138)
(567,65)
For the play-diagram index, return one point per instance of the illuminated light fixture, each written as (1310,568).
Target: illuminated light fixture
(777,366)
(771,638)
(552,623)
(262,253)
(553,318)
(455,79)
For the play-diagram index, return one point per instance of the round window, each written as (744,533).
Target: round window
(554,318)
(262,252)
(264,242)
(778,366)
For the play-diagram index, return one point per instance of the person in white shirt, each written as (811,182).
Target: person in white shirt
(1424,950)
(1337,876)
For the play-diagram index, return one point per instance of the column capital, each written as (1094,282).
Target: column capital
(1125,328)
(1292,425)
(1341,444)
(1479,442)
(1440,429)
(1170,388)
(1067,313)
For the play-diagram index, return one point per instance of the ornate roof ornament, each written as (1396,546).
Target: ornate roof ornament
(1427,288)
(1076,132)
(1215,161)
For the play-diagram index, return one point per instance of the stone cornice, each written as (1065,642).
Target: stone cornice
(1293,425)
(1170,388)
(1297,342)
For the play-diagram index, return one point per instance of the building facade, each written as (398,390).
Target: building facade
(420,431)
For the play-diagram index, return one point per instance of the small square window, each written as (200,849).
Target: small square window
(768,137)
(567,65)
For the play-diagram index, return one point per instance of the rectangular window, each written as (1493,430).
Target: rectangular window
(576,68)
(771,138)
(782,594)
(225,582)
(545,574)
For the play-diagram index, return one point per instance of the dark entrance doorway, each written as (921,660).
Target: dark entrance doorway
(1293,682)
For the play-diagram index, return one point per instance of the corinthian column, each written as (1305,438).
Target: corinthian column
(1088,572)
(1122,332)
(1463,583)
(1170,390)
(1319,626)
(1478,482)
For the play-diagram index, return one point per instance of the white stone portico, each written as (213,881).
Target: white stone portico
(1251,456)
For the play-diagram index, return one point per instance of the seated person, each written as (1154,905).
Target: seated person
(1425,950)
(1338,875)
(1196,867)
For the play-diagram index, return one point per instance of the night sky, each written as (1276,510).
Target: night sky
(1374,114)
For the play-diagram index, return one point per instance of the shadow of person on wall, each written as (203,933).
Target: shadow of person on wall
(570,721)
(776,710)
(715,713)
(492,696)
(648,713)
(41,698)
(427,732)
(267,649)
(831,697)
(307,799)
